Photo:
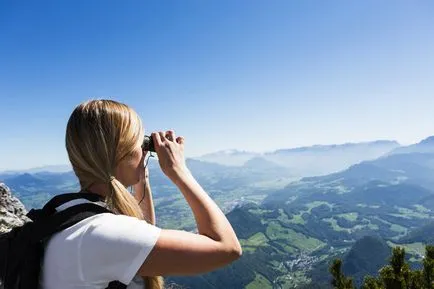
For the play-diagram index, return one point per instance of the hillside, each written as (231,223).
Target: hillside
(290,231)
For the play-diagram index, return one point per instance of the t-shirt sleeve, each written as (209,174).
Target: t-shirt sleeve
(114,247)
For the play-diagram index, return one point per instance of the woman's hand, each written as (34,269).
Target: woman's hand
(170,151)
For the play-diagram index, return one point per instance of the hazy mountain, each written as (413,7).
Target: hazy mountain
(387,197)
(228,157)
(300,226)
(325,159)
(50,169)
(413,170)
(425,146)
(309,161)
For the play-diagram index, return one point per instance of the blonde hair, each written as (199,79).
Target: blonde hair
(99,134)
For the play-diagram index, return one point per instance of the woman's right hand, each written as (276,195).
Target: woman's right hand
(178,252)
(170,151)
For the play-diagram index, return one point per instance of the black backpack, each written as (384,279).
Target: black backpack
(22,248)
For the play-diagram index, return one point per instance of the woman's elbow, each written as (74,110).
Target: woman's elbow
(234,252)
(237,252)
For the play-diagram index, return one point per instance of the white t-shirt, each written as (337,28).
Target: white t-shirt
(96,251)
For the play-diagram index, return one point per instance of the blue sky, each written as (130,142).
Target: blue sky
(249,75)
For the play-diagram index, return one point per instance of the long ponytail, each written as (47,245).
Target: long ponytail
(99,134)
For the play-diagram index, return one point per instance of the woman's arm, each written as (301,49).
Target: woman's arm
(143,195)
(182,253)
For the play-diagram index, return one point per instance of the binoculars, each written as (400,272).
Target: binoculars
(148,144)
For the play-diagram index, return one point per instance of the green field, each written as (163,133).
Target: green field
(352,217)
(417,250)
(315,204)
(291,238)
(258,239)
(260,282)
(412,214)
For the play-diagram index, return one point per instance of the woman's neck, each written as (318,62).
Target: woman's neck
(99,189)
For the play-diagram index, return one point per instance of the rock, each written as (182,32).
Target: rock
(12,211)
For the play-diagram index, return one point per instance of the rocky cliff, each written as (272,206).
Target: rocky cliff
(12,211)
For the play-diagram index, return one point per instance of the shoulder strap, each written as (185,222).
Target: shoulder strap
(59,221)
(116,285)
(56,201)
(50,207)
(69,217)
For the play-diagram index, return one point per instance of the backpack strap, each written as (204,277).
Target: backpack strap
(116,285)
(51,206)
(48,221)
(59,221)
(57,201)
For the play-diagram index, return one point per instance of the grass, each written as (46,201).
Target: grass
(288,248)
(315,204)
(352,217)
(341,189)
(260,282)
(274,184)
(399,229)
(338,228)
(394,227)
(335,225)
(422,209)
(258,211)
(370,225)
(292,280)
(415,249)
(367,206)
(297,219)
(290,238)
(258,239)
(412,214)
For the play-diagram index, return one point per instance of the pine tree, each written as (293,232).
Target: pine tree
(339,280)
(371,283)
(396,275)
(428,267)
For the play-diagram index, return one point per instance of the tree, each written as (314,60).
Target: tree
(371,283)
(339,280)
(396,275)
(428,267)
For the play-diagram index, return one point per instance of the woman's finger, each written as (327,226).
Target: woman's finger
(162,136)
(157,139)
(170,135)
(180,140)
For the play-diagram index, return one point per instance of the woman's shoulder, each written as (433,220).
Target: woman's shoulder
(111,226)
(112,229)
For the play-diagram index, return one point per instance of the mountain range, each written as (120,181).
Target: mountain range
(292,223)
(290,238)
(309,161)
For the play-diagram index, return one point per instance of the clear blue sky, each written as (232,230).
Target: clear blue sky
(249,75)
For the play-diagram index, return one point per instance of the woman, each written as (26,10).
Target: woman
(103,141)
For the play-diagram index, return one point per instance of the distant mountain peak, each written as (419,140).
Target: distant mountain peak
(320,147)
(425,146)
(261,162)
(231,152)
(428,140)
(229,157)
